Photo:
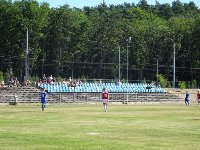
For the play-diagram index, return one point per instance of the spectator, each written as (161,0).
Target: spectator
(2,83)
(44,79)
(119,82)
(100,81)
(148,87)
(70,79)
(152,84)
(64,82)
(51,79)
(17,82)
(27,82)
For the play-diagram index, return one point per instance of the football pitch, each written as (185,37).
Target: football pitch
(87,127)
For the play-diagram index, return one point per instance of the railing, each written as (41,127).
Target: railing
(92,98)
(114,97)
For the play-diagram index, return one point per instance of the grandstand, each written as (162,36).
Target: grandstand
(110,87)
(90,93)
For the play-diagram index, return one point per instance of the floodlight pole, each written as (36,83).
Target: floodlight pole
(73,63)
(127,42)
(26,56)
(174,63)
(119,63)
(156,69)
(119,58)
(174,80)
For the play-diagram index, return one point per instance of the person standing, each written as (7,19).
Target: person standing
(187,101)
(198,97)
(43,95)
(105,97)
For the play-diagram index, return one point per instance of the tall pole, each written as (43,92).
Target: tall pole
(174,80)
(127,62)
(73,63)
(128,41)
(26,57)
(72,66)
(119,63)
(174,62)
(157,71)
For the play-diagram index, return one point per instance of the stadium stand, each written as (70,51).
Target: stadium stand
(110,87)
(88,93)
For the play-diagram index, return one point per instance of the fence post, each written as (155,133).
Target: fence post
(59,97)
(147,97)
(15,99)
(31,97)
(99,97)
(178,97)
(73,96)
(127,98)
(157,97)
(136,97)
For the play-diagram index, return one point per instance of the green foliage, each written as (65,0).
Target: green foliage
(88,39)
(6,76)
(33,80)
(182,84)
(194,84)
(59,79)
(162,80)
(1,76)
(83,79)
(169,84)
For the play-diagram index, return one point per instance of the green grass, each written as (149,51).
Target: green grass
(87,127)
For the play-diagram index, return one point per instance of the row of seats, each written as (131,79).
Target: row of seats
(110,87)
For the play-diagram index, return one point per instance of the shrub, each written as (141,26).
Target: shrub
(182,84)
(33,79)
(194,84)
(1,76)
(163,81)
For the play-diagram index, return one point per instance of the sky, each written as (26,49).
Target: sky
(82,3)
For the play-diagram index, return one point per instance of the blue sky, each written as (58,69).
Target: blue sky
(82,3)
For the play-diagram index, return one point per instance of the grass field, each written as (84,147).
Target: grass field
(87,127)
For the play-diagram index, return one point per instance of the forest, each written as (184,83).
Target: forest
(85,43)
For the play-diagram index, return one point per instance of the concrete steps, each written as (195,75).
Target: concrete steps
(32,95)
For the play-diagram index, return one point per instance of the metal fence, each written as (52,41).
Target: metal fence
(123,98)
(113,97)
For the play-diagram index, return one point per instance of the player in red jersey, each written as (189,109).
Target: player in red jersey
(198,97)
(105,97)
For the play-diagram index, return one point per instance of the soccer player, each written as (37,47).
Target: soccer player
(43,95)
(187,102)
(198,97)
(105,97)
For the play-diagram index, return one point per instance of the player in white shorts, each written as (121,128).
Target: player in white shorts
(105,97)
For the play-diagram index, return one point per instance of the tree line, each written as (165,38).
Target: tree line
(85,42)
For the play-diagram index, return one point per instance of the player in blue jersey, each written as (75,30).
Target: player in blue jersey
(43,95)
(187,100)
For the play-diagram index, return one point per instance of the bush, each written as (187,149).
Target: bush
(182,84)
(194,84)
(33,79)
(6,77)
(1,76)
(163,81)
